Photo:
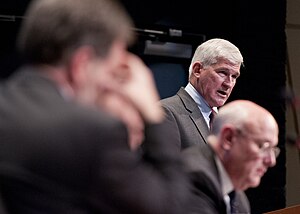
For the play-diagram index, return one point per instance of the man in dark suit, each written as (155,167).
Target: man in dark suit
(213,72)
(241,147)
(63,143)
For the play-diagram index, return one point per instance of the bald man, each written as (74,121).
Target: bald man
(242,146)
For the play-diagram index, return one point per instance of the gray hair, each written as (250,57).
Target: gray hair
(209,52)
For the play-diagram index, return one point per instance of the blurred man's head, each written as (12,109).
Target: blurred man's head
(86,41)
(82,46)
(54,29)
(245,137)
(214,69)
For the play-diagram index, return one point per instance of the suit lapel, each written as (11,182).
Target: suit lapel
(194,113)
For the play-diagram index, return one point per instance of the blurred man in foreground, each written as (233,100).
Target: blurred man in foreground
(64,118)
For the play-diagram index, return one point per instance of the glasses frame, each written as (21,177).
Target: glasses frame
(264,148)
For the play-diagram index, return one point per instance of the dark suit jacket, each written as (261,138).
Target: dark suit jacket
(207,195)
(188,122)
(59,157)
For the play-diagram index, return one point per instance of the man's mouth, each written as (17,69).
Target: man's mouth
(261,172)
(222,93)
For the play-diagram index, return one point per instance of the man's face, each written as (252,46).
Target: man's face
(102,73)
(252,153)
(127,77)
(216,82)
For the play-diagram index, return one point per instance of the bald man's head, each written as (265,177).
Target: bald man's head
(245,136)
(243,113)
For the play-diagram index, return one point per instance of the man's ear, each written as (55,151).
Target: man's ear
(196,69)
(79,64)
(227,135)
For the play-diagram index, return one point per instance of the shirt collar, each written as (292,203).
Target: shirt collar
(227,185)
(202,104)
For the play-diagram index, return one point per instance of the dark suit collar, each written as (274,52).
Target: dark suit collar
(187,100)
(32,74)
(195,114)
(31,77)
(202,158)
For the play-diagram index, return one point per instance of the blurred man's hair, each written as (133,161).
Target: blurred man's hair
(53,29)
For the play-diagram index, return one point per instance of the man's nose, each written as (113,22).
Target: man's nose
(229,82)
(270,158)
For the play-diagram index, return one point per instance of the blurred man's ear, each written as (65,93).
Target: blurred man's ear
(227,134)
(78,65)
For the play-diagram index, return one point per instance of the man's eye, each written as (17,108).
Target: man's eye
(222,74)
(235,76)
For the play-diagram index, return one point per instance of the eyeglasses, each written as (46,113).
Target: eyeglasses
(264,148)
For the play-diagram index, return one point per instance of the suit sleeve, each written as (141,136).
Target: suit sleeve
(151,183)
(174,126)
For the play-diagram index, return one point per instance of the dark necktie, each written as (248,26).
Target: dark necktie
(211,118)
(233,205)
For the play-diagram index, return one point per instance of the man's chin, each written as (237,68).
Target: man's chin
(220,102)
(255,183)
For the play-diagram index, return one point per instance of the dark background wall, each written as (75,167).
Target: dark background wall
(256,27)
